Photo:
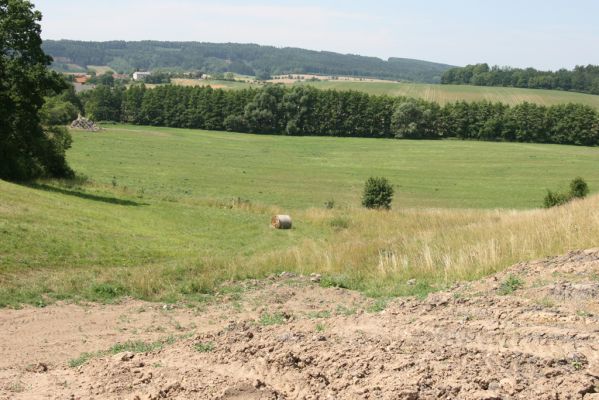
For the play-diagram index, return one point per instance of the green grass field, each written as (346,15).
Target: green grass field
(168,214)
(301,172)
(450,93)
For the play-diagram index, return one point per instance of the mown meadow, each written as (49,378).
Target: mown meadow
(442,94)
(170,214)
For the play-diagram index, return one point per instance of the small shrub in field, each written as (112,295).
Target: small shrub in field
(578,188)
(329,204)
(553,199)
(378,193)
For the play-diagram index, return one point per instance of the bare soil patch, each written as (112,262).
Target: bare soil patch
(529,332)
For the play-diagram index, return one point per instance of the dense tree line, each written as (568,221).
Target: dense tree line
(583,79)
(245,59)
(304,110)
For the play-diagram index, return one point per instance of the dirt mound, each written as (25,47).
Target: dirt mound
(529,332)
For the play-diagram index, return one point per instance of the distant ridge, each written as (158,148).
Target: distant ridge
(246,59)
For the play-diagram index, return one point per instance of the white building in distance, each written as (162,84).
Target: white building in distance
(140,75)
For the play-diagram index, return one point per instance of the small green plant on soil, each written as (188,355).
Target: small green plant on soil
(378,306)
(346,311)
(577,365)
(267,319)
(319,314)
(204,347)
(510,285)
(546,302)
(320,327)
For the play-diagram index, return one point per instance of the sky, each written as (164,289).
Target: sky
(546,34)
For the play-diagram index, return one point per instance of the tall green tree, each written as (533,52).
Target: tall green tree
(27,148)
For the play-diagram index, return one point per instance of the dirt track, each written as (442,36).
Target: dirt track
(541,342)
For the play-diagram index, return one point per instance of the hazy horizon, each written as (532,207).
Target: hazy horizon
(540,34)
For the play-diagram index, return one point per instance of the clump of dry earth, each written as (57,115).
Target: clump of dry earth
(288,338)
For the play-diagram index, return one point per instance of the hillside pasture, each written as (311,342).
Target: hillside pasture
(444,94)
(169,214)
(441,94)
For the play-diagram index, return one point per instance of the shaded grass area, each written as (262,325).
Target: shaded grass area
(159,220)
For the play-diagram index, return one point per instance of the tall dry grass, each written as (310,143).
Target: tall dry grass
(382,250)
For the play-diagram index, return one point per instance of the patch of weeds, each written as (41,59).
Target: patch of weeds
(420,290)
(319,314)
(240,203)
(197,287)
(457,295)
(123,318)
(510,285)
(41,303)
(107,292)
(82,359)
(157,365)
(320,327)
(583,313)
(347,311)
(546,302)
(539,283)
(231,289)
(15,387)
(378,306)
(329,204)
(337,281)
(135,346)
(339,223)
(267,319)
(204,347)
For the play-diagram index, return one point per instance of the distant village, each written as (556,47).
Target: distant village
(84,81)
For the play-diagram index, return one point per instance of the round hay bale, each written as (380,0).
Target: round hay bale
(281,222)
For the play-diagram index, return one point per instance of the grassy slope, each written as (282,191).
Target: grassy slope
(168,228)
(440,93)
(450,93)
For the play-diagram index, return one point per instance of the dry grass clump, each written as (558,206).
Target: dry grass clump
(439,246)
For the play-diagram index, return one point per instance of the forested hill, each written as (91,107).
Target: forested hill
(247,59)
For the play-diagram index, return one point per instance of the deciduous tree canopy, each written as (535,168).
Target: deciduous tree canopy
(27,148)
